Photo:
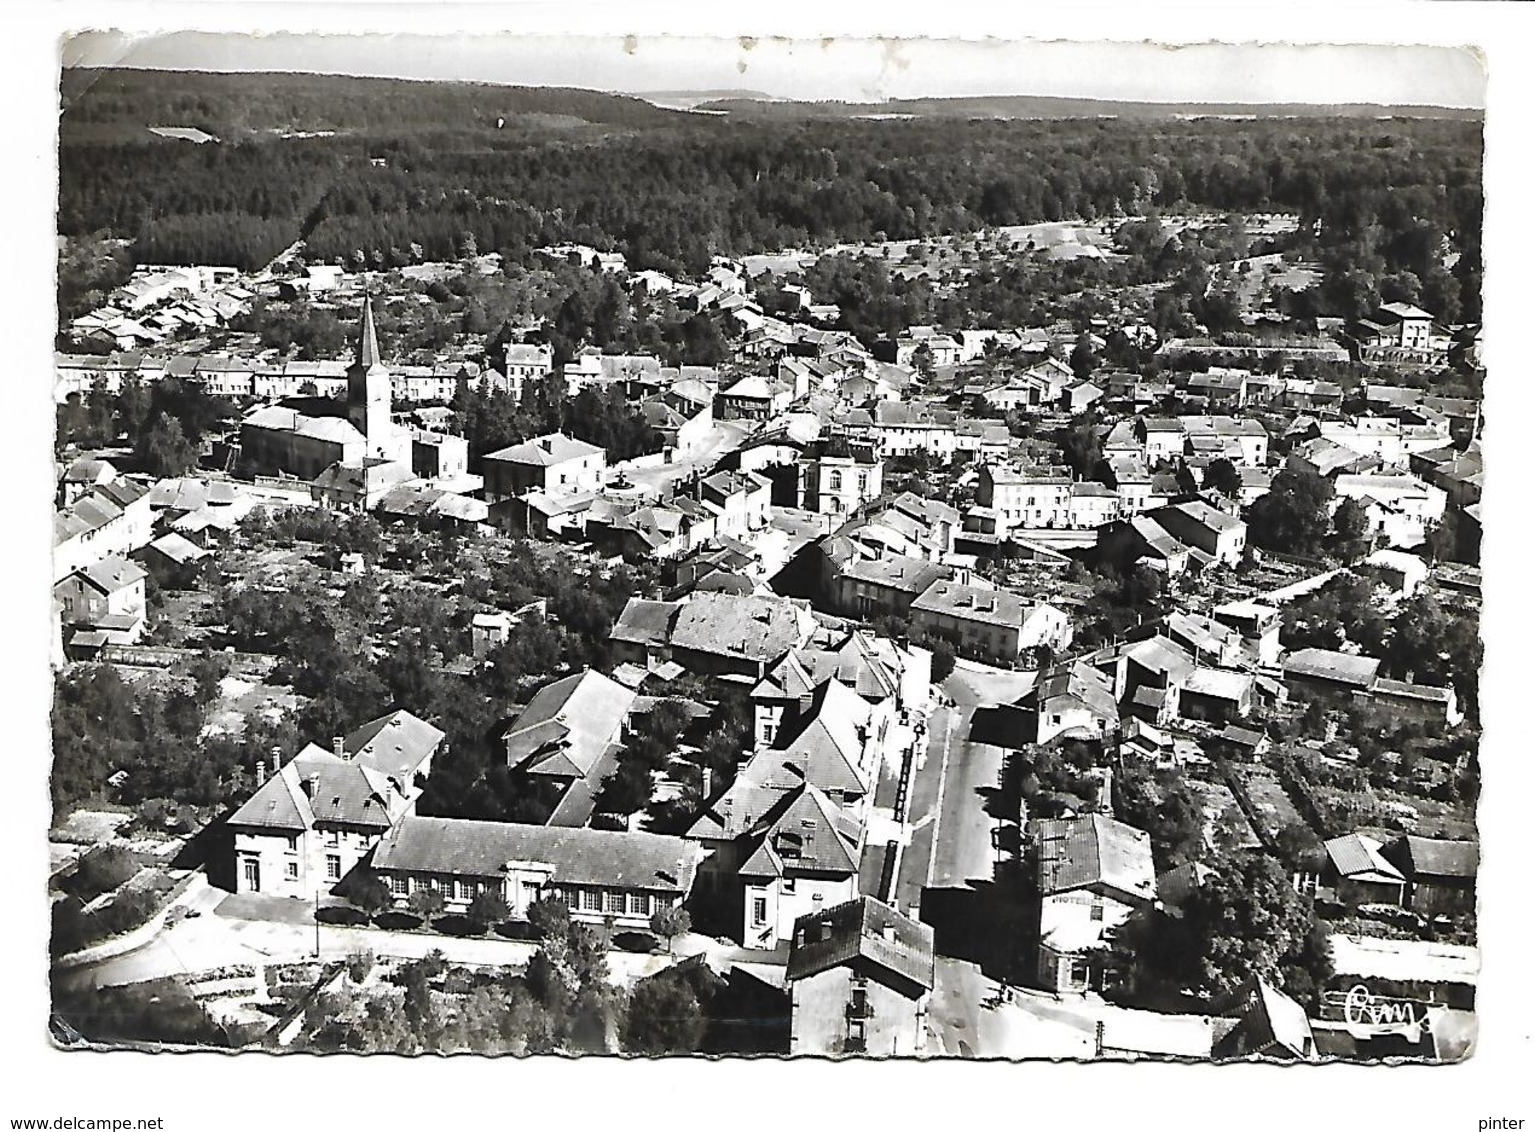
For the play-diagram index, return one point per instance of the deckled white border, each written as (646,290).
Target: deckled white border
(215,1092)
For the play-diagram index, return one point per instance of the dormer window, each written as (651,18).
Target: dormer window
(788,844)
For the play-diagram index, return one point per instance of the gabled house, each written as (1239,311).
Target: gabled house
(753,398)
(360,486)
(1263,1021)
(105,598)
(1149,678)
(312,822)
(111,518)
(1092,872)
(872,666)
(990,624)
(1212,535)
(570,734)
(178,563)
(400,746)
(802,855)
(868,587)
(860,977)
(555,464)
(1072,699)
(1356,873)
(815,782)
(1440,874)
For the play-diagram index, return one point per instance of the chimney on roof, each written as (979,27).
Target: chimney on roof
(338,746)
(276,759)
(260,774)
(888,932)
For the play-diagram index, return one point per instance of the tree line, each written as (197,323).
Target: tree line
(1386,195)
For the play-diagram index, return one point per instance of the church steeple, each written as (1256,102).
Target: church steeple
(367,346)
(367,385)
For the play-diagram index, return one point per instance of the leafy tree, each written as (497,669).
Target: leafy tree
(1081,448)
(549,917)
(663,1017)
(1242,920)
(1300,848)
(1166,808)
(426,903)
(1084,359)
(1350,529)
(371,894)
(1292,517)
(670,922)
(943,661)
(165,450)
(488,909)
(359,965)
(1222,476)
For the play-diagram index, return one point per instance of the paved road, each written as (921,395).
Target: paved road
(947,872)
(259,930)
(952,838)
(966,1021)
(724,438)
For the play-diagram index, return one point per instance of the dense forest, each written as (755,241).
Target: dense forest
(422,171)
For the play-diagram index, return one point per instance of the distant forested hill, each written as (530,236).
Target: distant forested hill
(123,103)
(1041,106)
(421,171)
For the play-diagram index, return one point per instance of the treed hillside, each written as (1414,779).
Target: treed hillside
(120,102)
(420,170)
(1039,106)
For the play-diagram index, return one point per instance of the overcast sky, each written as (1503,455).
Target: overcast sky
(843,68)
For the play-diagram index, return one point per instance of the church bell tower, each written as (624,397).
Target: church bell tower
(367,386)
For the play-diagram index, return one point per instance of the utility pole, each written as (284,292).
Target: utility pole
(316,923)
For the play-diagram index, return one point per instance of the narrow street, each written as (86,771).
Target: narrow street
(947,872)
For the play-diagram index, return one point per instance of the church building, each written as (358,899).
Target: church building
(275,440)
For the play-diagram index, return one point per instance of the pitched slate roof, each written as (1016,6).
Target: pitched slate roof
(394,744)
(736,811)
(760,629)
(1162,655)
(972,603)
(112,573)
(316,786)
(545,451)
(1080,682)
(178,549)
(1205,515)
(1326,664)
(1357,857)
(822,747)
(568,725)
(1220,683)
(902,572)
(863,929)
(332,429)
(1094,849)
(1435,857)
(802,833)
(600,857)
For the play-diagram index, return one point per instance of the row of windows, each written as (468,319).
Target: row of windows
(613,902)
